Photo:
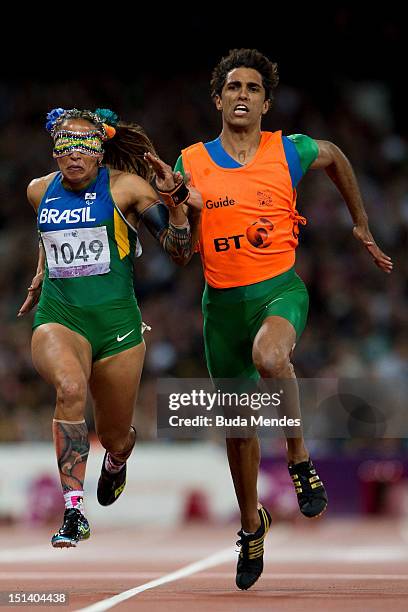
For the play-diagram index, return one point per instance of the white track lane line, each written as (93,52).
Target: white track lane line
(222,556)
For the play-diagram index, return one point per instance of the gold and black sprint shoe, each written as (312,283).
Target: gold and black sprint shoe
(310,491)
(74,528)
(250,560)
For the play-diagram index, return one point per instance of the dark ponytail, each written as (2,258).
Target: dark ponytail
(126,149)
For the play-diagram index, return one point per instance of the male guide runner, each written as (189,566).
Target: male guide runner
(254,304)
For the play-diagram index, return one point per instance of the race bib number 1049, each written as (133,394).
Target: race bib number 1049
(77,252)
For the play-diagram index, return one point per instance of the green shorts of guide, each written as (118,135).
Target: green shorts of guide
(233,317)
(110,328)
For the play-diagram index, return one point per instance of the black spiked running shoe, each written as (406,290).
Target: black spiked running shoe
(74,528)
(110,485)
(310,491)
(250,560)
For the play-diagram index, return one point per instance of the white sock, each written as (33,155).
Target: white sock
(74,499)
(247,533)
(111,465)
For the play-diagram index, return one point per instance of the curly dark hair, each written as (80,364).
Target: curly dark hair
(247,58)
(125,150)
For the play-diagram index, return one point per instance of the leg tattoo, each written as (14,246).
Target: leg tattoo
(72,448)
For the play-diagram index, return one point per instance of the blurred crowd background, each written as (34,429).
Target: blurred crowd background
(358,320)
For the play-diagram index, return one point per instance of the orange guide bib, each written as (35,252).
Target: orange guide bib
(249,223)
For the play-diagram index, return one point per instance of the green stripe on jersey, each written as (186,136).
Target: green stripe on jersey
(307,149)
(179,166)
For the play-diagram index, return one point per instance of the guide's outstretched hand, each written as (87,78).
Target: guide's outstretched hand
(381,260)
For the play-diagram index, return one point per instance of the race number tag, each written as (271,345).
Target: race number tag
(77,252)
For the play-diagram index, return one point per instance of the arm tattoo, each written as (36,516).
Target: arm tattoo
(156,219)
(72,448)
(177,243)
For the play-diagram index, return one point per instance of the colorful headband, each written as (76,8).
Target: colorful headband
(104,119)
(89,143)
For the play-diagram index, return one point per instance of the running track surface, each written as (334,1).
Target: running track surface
(354,565)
